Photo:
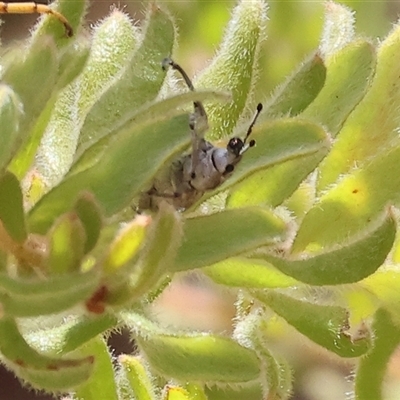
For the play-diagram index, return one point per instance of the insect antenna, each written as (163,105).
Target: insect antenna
(252,142)
(250,129)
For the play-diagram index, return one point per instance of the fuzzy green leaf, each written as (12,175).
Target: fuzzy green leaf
(89,214)
(102,382)
(40,371)
(234,67)
(266,186)
(352,203)
(124,247)
(296,144)
(12,214)
(66,240)
(384,285)
(34,297)
(71,334)
(140,82)
(137,377)
(373,124)
(33,76)
(348,77)
(113,42)
(338,30)
(73,11)
(248,273)
(323,324)
(298,91)
(204,358)
(176,393)
(347,263)
(212,238)
(153,111)
(252,390)
(123,171)
(162,242)
(139,276)
(371,370)
(72,61)
(11,111)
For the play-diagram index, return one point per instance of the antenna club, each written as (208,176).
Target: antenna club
(259,107)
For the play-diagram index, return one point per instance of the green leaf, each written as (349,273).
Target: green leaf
(373,124)
(195,391)
(384,285)
(33,76)
(11,112)
(90,216)
(137,376)
(276,183)
(123,171)
(252,391)
(140,82)
(324,324)
(102,382)
(298,91)
(73,11)
(348,77)
(66,241)
(338,30)
(153,111)
(286,150)
(202,358)
(160,247)
(72,61)
(233,68)
(176,393)
(213,238)
(54,374)
(71,334)
(352,203)
(34,297)
(371,369)
(124,247)
(12,215)
(251,328)
(248,273)
(348,263)
(113,42)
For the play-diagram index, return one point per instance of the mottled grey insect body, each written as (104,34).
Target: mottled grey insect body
(204,169)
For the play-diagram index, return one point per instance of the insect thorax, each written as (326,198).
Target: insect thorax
(184,182)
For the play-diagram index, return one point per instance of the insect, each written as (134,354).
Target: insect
(204,169)
(31,8)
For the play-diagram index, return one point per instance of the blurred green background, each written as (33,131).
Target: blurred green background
(293,30)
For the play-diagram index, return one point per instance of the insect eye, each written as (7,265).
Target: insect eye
(229,168)
(235,145)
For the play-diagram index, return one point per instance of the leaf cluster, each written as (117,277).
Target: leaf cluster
(88,122)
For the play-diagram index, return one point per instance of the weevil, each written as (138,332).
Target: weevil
(205,168)
(32,8)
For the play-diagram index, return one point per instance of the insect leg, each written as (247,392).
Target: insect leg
(198,122)
(31,8)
